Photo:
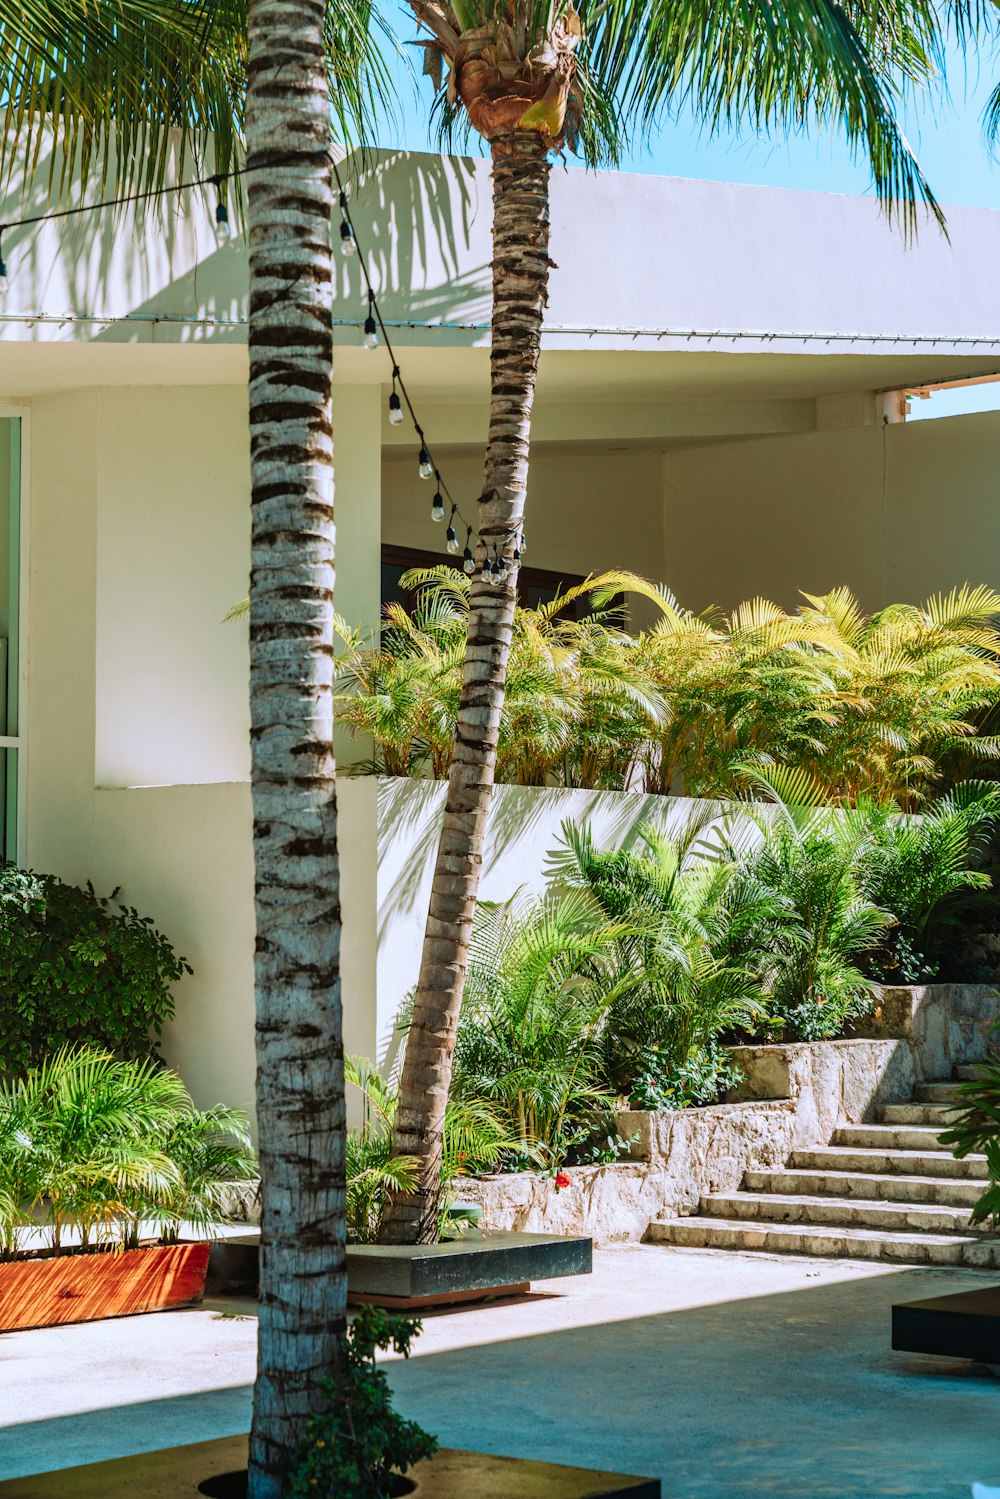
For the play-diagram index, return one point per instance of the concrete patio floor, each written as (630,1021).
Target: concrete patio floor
(727,1375)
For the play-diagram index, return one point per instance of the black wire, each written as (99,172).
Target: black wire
(216,179)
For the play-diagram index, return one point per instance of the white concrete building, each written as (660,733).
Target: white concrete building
(711,412)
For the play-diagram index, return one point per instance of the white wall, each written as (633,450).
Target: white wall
(895,512)
(585,512)
(173,554)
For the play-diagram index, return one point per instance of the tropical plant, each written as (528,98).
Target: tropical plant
(75,967)
(531,79)
(542,978)
(919,868)
(912,683)
(474,1142)
(355,1444)
(696,705)
(117,75)
(689,957)
(95,1151)
(974,1127)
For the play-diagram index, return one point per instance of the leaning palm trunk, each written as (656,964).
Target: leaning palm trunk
(521,170)
(300,1074)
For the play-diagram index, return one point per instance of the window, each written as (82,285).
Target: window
(11,617)
(535,585)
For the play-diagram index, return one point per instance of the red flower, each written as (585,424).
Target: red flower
(562,1180)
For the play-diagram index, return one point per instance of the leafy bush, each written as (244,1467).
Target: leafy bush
(920,870)
(95,1148)
(356,1441)
(74,968)
(883,706)
(474,1141)
(975,1127)
(541,981)
(677,986)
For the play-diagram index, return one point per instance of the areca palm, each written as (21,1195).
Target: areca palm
(531,79)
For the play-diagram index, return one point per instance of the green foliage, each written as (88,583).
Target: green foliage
(878,708)
(355,1442)
(919,868)
(975,1128)
(810,961)
(474,1141)
(75,968)
(100,1149)
(541,981)
(706,1074)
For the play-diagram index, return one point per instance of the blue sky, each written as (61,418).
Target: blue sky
(947,137)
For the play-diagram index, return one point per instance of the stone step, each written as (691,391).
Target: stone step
(899,1162)
(831,1242)
(935,1093)
(968,1073)
(888,1136)
(853,1212)
(940,1114)
(868,1185)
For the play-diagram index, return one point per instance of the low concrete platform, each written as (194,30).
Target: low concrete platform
(966,1325)
(187,1472)
(422,1275)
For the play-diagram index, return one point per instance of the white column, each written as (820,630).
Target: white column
(357,457)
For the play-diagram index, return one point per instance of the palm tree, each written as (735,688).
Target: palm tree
(117,84)
(531,79)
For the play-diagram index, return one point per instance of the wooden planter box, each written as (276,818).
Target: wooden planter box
(87,1287)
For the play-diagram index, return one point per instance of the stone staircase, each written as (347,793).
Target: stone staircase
(886,1191)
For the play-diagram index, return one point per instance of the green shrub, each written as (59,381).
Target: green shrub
(975,1127)
(474,1141)
(886,706)
(355,1442)
(76,968)
(95,1147)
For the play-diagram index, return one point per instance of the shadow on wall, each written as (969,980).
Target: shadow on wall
(524,829)
(418,217)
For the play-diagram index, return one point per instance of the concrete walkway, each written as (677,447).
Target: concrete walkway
(729,1376)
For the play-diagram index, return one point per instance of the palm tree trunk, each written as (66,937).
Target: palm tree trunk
(300,1074)
(521,171)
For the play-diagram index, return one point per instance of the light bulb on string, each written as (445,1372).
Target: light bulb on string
(395,404)
(425,468)
(468,561)
(523,547)
(500,568)
(437,506)
(3,269)
(371,327)
(451,540)
(347,245)
(223,228)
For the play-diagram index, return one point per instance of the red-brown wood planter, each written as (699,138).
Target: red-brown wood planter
(87,1287)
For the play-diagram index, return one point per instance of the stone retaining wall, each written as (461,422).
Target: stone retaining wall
(794,1096)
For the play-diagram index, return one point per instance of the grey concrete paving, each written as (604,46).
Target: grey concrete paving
(730,1376)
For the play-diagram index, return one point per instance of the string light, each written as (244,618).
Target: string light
(223,228)
(400,401)
(347,244)
(371,327)
(395,404)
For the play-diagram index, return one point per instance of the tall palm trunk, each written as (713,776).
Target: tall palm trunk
(521,171)
(300,1074)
